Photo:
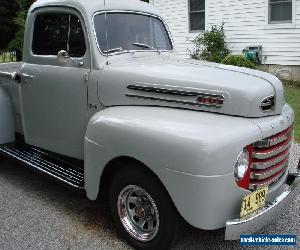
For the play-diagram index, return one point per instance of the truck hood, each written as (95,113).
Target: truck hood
(159,80)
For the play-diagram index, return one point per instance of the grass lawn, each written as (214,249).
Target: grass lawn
(7,58)
(292,97)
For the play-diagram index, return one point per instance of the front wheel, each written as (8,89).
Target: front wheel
(142,209)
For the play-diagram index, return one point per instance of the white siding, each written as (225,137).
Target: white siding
(175,13)
(246,23)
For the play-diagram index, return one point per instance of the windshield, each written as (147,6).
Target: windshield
(127,31)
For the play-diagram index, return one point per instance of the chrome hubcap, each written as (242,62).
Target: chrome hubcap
(138,213)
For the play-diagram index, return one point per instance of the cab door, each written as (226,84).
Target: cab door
(54,95)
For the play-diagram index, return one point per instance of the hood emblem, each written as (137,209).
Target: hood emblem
(210,100)
(175,96)
(268,104)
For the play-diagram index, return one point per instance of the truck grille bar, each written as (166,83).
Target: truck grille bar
(266,154)
(270,159)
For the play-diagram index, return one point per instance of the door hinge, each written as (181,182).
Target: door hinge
(91,106)
(87,76)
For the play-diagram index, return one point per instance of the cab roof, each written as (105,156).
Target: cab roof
(89,7)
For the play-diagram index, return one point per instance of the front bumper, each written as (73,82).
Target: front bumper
(249,225)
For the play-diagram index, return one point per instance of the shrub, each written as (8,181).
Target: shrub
(211,45)
(238,60)
(19,20)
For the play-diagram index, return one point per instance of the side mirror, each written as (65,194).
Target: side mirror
(63,57)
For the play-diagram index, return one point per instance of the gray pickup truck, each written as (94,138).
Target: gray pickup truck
(102,104)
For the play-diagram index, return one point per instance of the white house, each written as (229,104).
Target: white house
(273,24)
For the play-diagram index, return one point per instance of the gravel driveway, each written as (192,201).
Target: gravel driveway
(36,213)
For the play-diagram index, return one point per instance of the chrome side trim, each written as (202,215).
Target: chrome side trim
(172,91)
(173,101)
(219,99)
(271,153)
(266,215)
(162,90)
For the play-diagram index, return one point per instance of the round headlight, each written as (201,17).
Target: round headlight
(241,165)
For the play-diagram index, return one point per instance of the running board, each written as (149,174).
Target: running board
(46,163)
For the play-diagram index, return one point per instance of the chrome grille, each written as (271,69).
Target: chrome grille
(269,159)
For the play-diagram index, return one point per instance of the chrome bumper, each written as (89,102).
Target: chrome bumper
(250,225)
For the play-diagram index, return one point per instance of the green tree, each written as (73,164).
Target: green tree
(19,21)
(8,10)
(211,45)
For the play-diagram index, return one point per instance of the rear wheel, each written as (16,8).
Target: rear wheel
(142,209)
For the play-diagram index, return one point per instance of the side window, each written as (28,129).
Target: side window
(55,32)
(50,34)
(77,46)
(160,36)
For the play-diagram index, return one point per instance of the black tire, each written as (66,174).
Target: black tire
(136,175)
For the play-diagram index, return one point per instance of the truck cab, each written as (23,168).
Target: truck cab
(102,103)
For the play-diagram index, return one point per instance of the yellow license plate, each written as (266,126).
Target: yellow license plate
(254,201)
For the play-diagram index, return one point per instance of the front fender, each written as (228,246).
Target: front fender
(7,126)
(197,143)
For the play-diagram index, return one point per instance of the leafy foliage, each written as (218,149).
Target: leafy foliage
(211,45)
(17,42)
(19,21)
(238,60)
(8,9)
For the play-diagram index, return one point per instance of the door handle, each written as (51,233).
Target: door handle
(26,77)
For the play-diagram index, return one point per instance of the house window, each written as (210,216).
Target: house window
(197,15)
(280,11)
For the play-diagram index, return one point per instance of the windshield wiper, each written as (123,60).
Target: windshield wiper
(143,45)
(113,50)
(120,50)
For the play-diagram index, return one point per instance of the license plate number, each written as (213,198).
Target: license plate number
(254,201)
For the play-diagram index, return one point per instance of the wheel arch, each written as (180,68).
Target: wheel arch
(117,163)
